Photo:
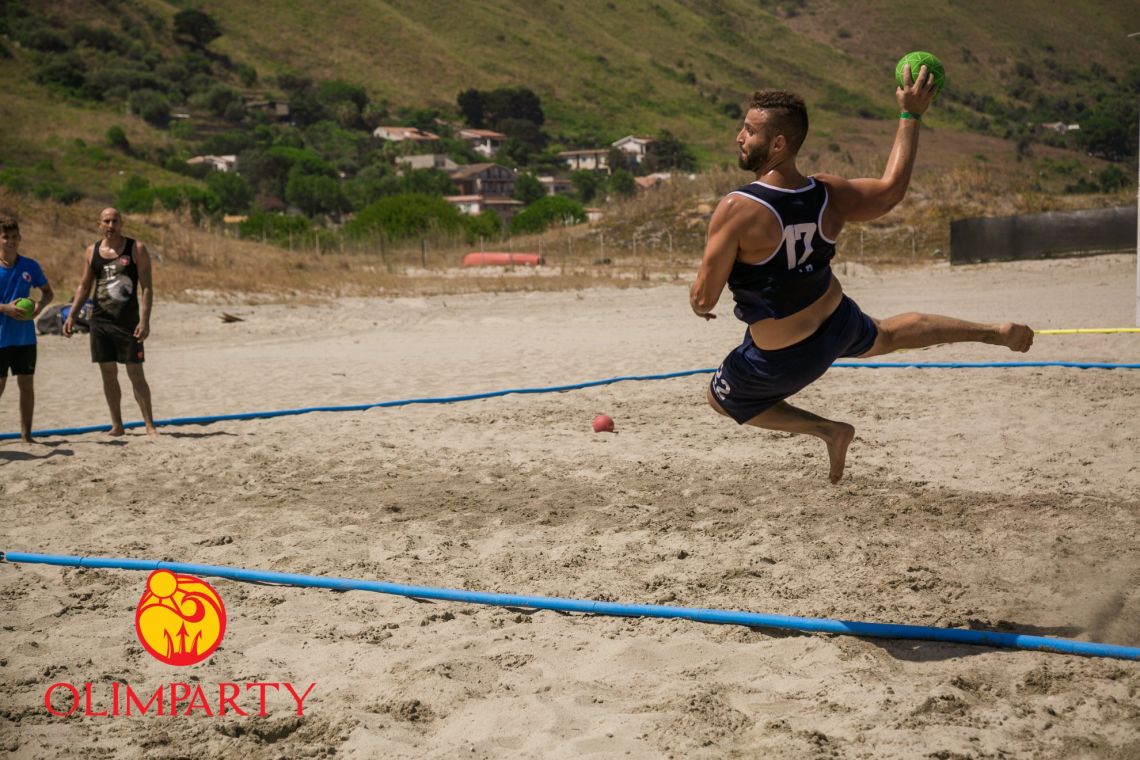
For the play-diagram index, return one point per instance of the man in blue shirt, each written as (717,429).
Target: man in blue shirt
(18,275)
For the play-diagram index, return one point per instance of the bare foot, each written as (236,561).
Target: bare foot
(27,439)
(837,440)
(116,430)
(1016,337)
(152,431)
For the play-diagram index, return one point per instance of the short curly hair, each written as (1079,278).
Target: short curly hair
(788,114)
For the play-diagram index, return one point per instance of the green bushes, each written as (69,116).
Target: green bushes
(18,181)
(67,72)
(314,193)
(399,217)
(151,106)
(232,192)
(485,225)
(622,183)
(117,139)
(138,196)
(281,229)
(528,189)
(546,212)
(195,28)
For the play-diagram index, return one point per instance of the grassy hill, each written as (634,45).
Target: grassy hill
(74,70)
(604,69)
(637,66)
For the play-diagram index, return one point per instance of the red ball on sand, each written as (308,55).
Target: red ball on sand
(603,423)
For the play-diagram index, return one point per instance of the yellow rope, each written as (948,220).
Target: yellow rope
(1084,330)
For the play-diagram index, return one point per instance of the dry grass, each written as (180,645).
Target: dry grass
(196,264)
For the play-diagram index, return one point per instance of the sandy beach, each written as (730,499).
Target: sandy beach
(998,499)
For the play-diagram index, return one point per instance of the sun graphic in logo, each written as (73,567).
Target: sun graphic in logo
(180,619)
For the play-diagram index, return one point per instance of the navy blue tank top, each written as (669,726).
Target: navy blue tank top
(799,270)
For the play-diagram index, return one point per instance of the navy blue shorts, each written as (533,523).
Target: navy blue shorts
(750,380)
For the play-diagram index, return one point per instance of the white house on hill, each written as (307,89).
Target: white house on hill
(220,163)
(593,159)
(556,185)
(438,161)
(404,134)
(474,205)
(483,141)
(635,147)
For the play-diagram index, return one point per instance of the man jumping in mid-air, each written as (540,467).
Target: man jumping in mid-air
(772,242)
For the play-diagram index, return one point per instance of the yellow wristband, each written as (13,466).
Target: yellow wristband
(909,115)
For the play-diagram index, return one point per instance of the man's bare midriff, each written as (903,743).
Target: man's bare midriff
(772,334)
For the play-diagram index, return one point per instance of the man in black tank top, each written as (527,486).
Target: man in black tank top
(771,242)
(118,268)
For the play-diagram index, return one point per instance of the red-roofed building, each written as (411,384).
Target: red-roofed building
(488,180)
(483,141)
(474,205)
(404,134)
(636,148)
(593,159)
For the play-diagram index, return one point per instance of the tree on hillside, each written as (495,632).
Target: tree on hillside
(343,101)
(426,119)
(471,106)
(622,183)
(314,193)
(1108,129)
(196,27)
(548,211)
(528,189)
(427,182)
(399,217)
(336,90)
(491,108)
(586,183)
(616,159)
(512,103)
(118,139)
(524,131)
(513,153)
(232,191)
(218,98)
(152,106)
(668,152)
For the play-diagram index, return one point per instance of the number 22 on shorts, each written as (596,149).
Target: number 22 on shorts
(720,386)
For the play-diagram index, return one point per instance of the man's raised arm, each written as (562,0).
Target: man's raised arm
(861,200)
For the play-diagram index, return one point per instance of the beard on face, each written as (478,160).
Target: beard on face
(754,159)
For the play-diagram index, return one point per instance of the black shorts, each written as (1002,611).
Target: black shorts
(111,343)
(752,380)
(21,360)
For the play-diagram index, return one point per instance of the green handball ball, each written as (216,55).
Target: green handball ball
(917,60)
(26,306)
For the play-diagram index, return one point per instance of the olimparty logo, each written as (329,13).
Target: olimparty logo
(180,620)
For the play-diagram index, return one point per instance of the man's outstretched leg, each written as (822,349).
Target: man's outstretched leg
(789,419)
(914,330)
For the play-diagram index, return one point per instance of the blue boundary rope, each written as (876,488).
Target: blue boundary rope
(724,617)
(546,389)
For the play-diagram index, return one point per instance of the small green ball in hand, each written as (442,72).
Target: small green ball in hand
(917,60)
(26,306)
